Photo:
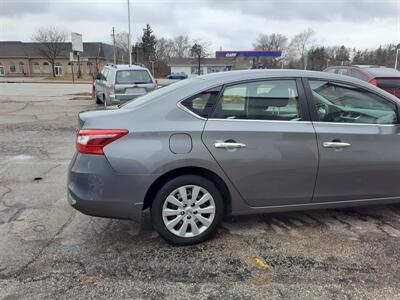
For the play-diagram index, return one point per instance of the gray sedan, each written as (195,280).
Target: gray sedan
(239,142)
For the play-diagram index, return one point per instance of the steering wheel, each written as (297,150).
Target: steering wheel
(328,113)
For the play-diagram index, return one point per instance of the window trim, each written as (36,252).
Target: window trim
(183,107)
(300,92)
(15,67)
(312,104)
(21,67)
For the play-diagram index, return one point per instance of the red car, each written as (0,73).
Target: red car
(387,79)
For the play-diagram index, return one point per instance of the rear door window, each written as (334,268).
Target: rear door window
(133,77)
(262,100)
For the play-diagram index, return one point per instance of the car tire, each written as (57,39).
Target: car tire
(98,100)
(105,102)
(199,217)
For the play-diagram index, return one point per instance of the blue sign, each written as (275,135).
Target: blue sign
(254,53)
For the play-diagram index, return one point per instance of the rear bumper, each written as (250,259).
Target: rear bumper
(124,97)
(96,190)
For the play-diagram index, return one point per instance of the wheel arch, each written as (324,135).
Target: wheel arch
(216,179)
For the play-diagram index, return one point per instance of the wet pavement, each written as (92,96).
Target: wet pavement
(50,251)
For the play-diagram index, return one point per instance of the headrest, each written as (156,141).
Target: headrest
(273,98)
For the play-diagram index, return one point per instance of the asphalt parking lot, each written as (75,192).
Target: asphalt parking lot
(50,251)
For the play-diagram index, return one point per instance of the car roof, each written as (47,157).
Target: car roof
(373,70)
(189,87)
(383,72)
(125,67)
(365,66)
(241,75)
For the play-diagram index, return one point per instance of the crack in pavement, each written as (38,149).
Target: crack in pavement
(20,272)
(14,111)
(4,194)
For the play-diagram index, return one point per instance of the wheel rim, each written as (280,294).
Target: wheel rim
(188,211)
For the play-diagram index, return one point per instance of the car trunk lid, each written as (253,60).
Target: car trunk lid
(85,116)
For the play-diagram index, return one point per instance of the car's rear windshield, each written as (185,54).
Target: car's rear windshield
(133,76)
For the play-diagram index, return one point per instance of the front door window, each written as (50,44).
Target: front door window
(341,103)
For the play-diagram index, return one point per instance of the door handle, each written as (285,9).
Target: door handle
(335,145)
(229,145)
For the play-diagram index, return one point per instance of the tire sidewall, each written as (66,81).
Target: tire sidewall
(158,203)
(98,100)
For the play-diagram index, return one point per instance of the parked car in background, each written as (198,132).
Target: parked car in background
(179,75)
(117,83)
(235,143)
(387,79)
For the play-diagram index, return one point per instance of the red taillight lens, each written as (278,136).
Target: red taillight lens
(374,82)
(92,141)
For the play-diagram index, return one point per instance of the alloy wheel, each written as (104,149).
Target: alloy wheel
(188,211)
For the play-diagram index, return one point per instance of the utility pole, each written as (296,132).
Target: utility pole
(397,54)
(129,34)
(79,65)
(152,66)
(113,34)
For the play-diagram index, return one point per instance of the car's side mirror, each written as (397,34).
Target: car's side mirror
(98,76)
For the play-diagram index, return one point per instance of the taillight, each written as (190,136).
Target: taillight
(374,82)
(92,141)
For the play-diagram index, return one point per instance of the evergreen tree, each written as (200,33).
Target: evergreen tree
(148,43)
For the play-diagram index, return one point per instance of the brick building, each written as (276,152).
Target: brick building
(24,59)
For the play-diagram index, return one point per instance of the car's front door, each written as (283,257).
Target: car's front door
(358,141)
(261,137)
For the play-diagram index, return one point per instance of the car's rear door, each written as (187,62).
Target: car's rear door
(358,141)
(261,136)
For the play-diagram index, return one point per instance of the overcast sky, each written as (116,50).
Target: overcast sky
(226,24)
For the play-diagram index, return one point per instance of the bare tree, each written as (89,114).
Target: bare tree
(51,43)
(121,41)
(199,50)
(164,49)
(181,46)
(300,45)
(274,41)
